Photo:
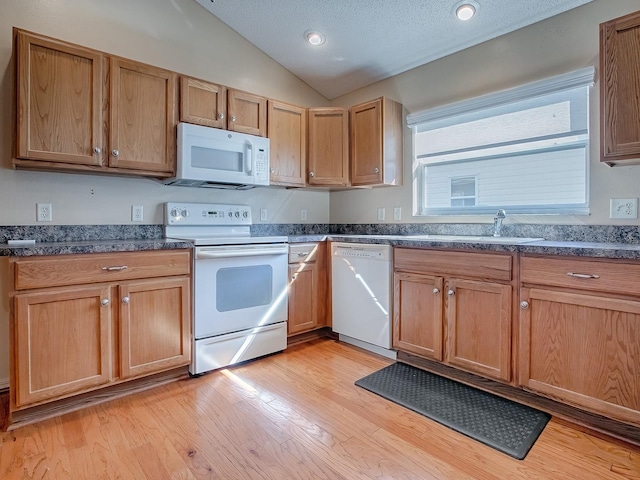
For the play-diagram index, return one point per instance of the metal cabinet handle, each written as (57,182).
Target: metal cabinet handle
(104,302)
(294,276)
(221,116)
(303,254)
(436,291)
(233,118)
(115,152)
(273,170)
(376,170)
(97,150)
(125,300)
(524,305)
(311,174)
(451,293)
(582,275)
(115,269)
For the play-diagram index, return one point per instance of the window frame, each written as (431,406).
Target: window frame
(568,81)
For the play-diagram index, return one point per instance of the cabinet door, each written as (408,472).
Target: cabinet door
(582,349)
(203,103)
(366,143)
(479,327)
(247,113)
(142,130)
(287,128)
(155,325)
(620,89)
(417,314)
(62,343)
(303,298)
(328,146)
(59,102)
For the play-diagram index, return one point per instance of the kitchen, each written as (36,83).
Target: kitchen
(176,34)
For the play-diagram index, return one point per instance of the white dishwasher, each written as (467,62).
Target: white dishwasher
(361,292)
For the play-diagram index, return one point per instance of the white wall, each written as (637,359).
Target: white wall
(560,44)
(175,34)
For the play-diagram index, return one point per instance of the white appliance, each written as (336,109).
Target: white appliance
(211,157)
(239,284)
(361,293)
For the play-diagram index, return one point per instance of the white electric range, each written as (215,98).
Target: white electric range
(239,284)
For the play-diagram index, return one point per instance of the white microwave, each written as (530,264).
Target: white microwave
(211,157)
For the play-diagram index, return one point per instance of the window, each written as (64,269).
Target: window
(525,150)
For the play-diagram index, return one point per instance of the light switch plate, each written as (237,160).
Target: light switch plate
(263,214)
(397,213)
(623,208)
(381,214)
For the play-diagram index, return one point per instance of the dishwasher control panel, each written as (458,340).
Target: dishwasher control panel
(372,252)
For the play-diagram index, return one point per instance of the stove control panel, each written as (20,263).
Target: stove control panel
(206,214)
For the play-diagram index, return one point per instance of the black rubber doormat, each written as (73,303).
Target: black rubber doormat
(497,422)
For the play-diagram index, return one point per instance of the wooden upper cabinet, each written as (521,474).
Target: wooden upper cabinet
(60,99)
(203,103)
(620,90)
(247,113)
(376,143)
(287,132)
(328,146)
(82,110)
(143,117)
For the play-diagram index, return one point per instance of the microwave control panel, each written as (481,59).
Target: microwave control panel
(262,163)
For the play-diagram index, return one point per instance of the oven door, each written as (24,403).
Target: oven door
(238,287)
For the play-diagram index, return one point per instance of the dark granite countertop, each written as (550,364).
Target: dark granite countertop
(91,246)
(545,247)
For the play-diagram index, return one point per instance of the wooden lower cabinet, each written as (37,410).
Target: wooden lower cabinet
(443,313)
(62,342)
(417,320)
(74,338)
(307,287)
(154,325)
(582,349)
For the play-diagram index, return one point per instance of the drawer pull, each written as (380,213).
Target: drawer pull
(104,302)
(524,305)
(115,269)
(303,254)
(582,275)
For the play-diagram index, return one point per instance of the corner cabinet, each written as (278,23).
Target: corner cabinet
(455,307)
(620,90)
(580,333)
(81,110)
(83,322)
(376,142)
(328,147)
(287,132)
(307,287)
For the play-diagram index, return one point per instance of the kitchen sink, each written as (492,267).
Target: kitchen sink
(473,239)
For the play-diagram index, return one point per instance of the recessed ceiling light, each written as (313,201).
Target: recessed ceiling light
(466,10)
(314,38)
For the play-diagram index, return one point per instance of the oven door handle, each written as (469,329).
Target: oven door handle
(254,252)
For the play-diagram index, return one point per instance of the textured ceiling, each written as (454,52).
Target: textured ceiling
(370,40)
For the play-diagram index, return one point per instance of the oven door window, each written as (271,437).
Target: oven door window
(238,288)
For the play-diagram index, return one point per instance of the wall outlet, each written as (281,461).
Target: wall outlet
(44,212)
(137,213)
(381,214)
(623,208)
(263,214)
(397,213)
(303,214)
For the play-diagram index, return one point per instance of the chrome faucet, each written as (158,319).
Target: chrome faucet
(497,222)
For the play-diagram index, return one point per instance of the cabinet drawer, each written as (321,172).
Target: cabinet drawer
(460,264)
(303,252)
(594,275)
(40,272)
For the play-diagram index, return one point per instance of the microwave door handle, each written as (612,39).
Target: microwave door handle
(249,159)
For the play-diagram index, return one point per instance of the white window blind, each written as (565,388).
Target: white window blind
(523,149)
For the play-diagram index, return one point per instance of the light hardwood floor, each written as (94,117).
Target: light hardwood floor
(294,415)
